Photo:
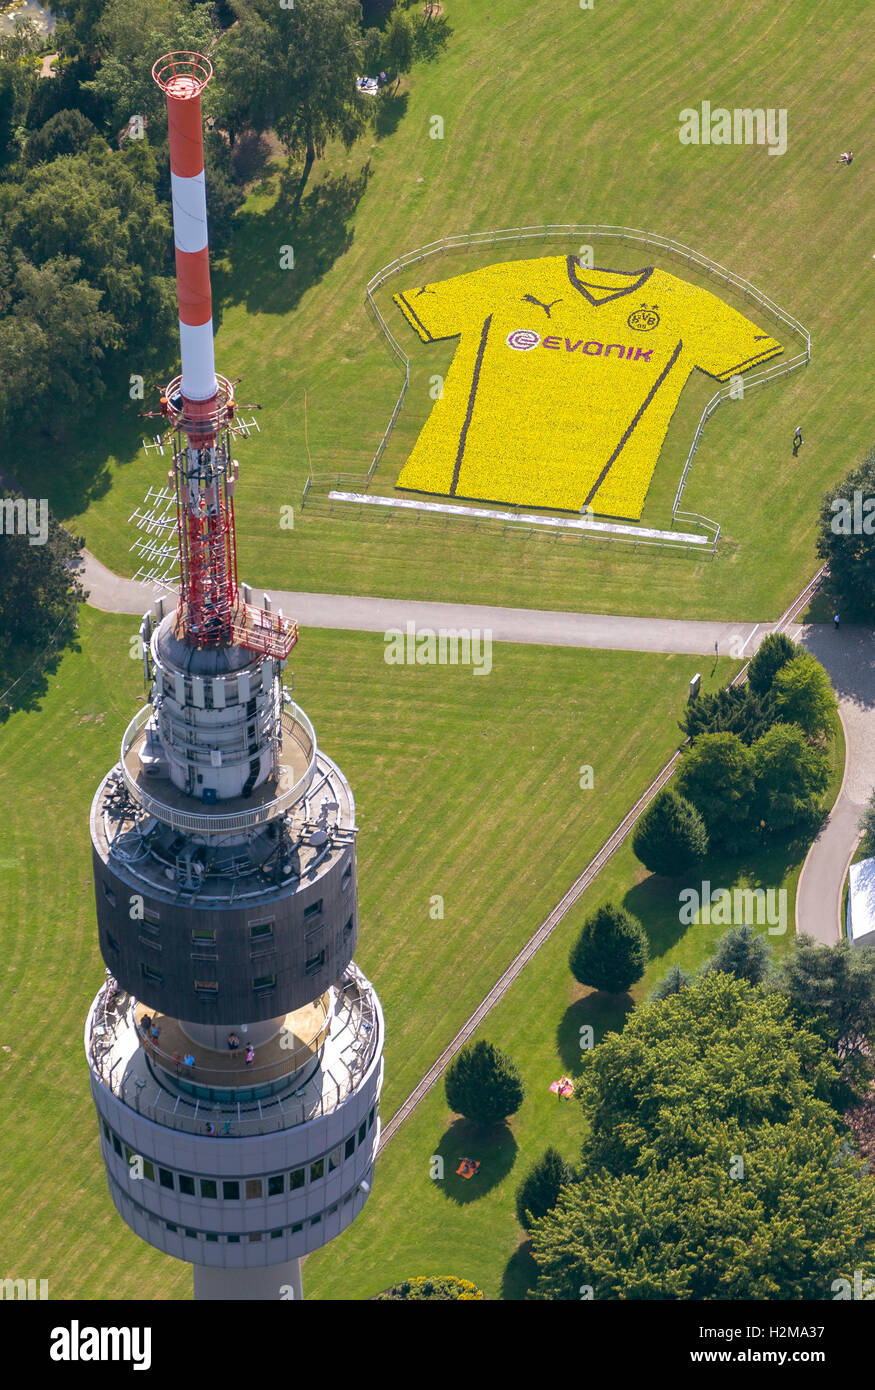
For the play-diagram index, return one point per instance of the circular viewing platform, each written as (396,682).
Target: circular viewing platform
(240,1102)
(160,797)
(295,1044)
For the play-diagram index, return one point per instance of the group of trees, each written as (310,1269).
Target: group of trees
(756,764)
(692,1186)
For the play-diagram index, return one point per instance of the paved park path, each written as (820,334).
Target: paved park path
(849,658)
(113,594)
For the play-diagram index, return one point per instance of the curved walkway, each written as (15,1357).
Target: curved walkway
(849,658)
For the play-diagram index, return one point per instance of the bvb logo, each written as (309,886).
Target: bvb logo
(644,318)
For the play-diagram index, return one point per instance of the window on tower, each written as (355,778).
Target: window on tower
(151,975)
(317,1169)
(231,1191)
(297,1179)
(186,1185)
(315,963)
(207,987)
(313,910)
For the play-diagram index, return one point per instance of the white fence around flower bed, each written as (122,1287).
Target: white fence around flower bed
(579,232)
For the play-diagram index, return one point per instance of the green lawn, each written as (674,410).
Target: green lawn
(552,114)
(414,1224)
(466,786)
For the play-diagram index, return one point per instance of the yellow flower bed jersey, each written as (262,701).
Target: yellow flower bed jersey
(565,380)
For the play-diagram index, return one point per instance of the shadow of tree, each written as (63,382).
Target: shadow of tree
(390,111)
(520,1274)
(30,683)
(604,1013)
(496,1149)
(316,231)
(432,37)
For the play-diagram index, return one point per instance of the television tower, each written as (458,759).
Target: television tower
(235,1049)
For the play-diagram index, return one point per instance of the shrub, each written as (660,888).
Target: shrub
(483,1084)
(670,837)
(611,951)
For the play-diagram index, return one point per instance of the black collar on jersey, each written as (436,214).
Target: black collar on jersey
(581,287)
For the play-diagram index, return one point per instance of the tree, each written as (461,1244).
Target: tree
(692,1231)
(804,696)
(538,1193)
(834,988)
(716,774)
(132,37)
(743,954)
(671,983)
(100,207)
(845,540)
(295,69)
(398,44)
(670,837)
(483,1084)
(67,132)
(775,650)
(790,776)
(16,85)
(735,709)
(660,1207)
(611,951)
(52,344)
(39,597)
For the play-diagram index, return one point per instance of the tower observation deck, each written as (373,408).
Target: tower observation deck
(235,1049)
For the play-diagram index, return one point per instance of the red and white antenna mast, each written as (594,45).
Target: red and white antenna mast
(200,404)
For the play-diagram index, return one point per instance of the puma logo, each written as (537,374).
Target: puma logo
(530,299)
(423,289)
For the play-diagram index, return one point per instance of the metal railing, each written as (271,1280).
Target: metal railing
(574,232)
(112,1012)
(294,723)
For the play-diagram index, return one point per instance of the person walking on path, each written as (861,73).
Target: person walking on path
(798,441)
(835,618)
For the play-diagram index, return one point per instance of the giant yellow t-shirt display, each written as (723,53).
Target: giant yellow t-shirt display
(564,380)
